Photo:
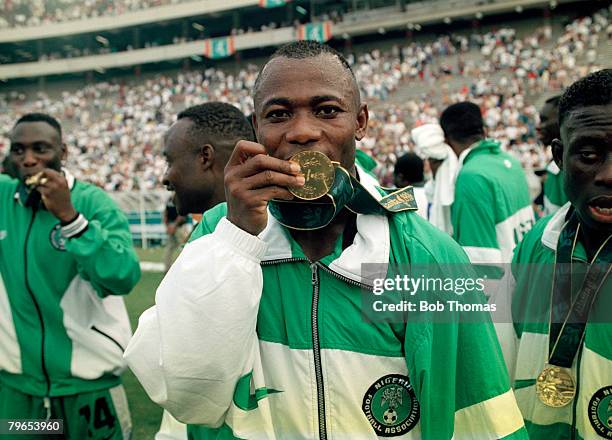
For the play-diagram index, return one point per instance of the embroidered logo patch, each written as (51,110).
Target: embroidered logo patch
(391,406)
(3,234)
(600,412)
(57,239)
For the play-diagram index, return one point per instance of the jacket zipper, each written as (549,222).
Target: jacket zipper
(576,396)
(46,399)
(316,345)
(113,340)
(316,349)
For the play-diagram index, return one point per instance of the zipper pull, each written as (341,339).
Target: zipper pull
(313,268)
(47,405)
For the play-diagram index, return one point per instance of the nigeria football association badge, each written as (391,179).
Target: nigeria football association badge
(391,406)
(57,239)
(600,412)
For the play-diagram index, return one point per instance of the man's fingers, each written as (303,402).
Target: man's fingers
(271,192)
(243,151)
(249,158)
(263,162)
(272,178)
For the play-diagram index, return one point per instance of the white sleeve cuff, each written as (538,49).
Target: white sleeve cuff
(250,245)
(75,227)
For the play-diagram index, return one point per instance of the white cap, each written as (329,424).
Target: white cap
(429,141)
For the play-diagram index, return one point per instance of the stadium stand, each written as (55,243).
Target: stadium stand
(114,128)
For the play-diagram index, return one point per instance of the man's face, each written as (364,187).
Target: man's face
(548,128)
(34,147)
(309,104)
(184,174)
(586,138)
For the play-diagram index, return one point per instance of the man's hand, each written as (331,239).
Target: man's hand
(252,178)
(55,194)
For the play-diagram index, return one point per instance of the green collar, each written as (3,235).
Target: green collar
(485,146)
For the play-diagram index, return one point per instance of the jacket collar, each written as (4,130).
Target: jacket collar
(551,233)
(370,245)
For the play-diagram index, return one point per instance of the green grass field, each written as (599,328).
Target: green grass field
(146,416)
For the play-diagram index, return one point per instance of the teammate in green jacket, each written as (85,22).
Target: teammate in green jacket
(548,130)
(258,331)
(65,256)
(563,379)
(196,148)
(492,208)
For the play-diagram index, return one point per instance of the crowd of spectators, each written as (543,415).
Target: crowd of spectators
(23,13)
(114,131)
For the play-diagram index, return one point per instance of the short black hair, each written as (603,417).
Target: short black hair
(462,121)
(410,165)
(309,49)
(593,89)
(305,49)
(41,117)
(222,122)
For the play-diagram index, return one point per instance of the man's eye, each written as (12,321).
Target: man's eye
(277,114)
(589,156)
(41,148)
(327,110)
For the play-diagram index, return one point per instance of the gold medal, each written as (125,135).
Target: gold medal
(35,180)
(318,173)
(555,386)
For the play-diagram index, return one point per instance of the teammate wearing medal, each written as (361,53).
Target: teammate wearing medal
(66,256)
(563,379)
(258,332)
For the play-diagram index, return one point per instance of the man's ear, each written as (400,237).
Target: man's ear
(557,152)
(362,122)
(206,157)
(254,124)
(64,152)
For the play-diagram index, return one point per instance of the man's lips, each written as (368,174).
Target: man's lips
(602,215)
(601,202)
(600,208)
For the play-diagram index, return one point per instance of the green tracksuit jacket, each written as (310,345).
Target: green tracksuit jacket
(62,326)
(254,341)
(554,193)
(492,208)
(589,415)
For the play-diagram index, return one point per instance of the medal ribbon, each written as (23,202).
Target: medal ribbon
(568,319)
(346,191)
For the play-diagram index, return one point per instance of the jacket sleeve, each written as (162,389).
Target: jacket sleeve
(462,385)
(456,366)
(194,344)
(473,219)
(104,253)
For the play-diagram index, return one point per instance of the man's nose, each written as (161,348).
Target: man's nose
(304,130)
(29,158)
(604,175)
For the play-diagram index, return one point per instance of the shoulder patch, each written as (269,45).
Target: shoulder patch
(391,406)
